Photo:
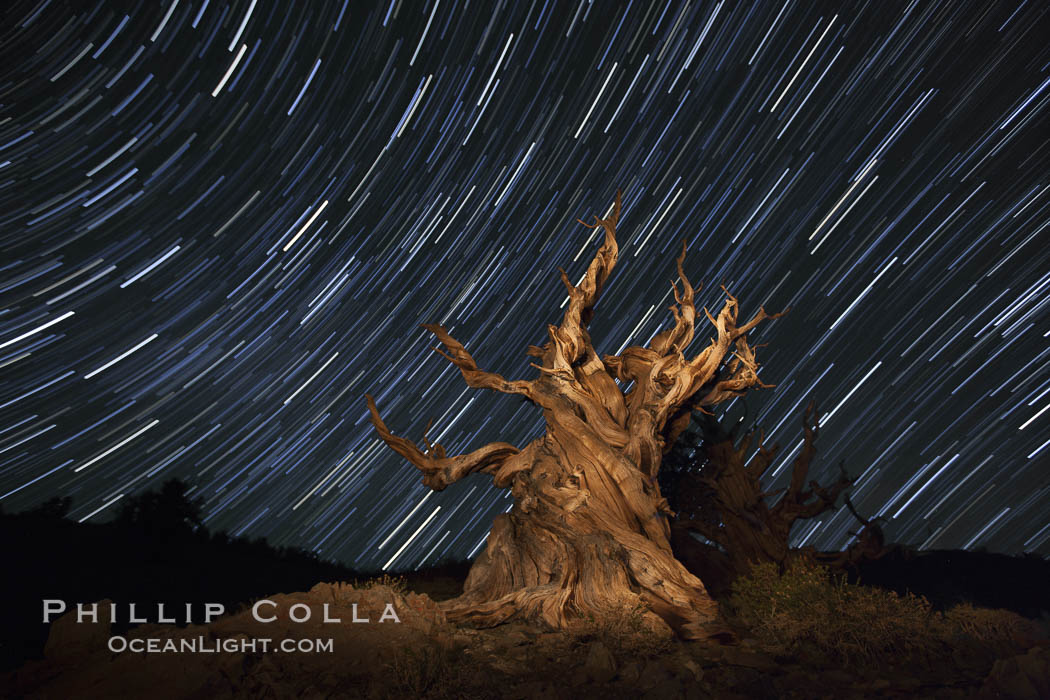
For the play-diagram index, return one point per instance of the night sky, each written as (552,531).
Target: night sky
(223,222)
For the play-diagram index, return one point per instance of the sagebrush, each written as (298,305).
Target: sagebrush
(808,608)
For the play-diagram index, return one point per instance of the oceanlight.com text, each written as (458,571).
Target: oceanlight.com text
(208,645)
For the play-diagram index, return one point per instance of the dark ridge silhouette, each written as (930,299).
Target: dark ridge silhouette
(156,550)
(946,578)
(949,577)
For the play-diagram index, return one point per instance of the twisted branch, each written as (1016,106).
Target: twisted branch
(438,469)
(472,375)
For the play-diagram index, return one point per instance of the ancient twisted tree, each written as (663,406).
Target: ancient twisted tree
(589,528)
(717,493)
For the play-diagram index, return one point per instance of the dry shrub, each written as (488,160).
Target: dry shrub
(395,583)
(428,670)
(807,607)
(628,628)
(997,630)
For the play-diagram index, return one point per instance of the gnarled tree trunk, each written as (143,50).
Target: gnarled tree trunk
(588,530)
(733,510)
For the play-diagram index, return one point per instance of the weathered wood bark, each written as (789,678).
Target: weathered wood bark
(735,514)
(588,530)
(868,545)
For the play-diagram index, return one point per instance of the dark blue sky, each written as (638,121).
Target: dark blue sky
(223,223)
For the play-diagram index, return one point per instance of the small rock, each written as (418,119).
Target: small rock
(735,656)
(653,674)
(549,638)
(69,640)
(1020,677)
(693,668)
(511,666)
(631,672)
(600,665)
(516,637)
(667,689)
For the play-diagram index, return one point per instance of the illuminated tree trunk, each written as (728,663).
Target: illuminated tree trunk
(589,530)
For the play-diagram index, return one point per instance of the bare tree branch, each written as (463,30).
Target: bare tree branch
(799,502)
(474,377)
(570,340)
(676,339)
(439,470)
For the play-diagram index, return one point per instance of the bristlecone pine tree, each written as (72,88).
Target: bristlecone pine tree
(717,492)
(588,531)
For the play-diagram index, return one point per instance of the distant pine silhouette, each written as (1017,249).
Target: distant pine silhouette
(156,550)
(167,511)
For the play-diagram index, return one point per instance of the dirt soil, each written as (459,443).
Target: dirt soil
(422,656)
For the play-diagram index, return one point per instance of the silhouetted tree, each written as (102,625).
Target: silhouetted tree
(869,543)
(716,491)
(57,507)
(170,509)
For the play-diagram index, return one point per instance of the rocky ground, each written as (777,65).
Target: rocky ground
(627,656)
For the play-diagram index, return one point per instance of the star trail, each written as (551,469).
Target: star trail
(223,222)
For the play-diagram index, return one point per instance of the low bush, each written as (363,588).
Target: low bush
(807,608)
(628,629)
(395,583)
(428,670)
